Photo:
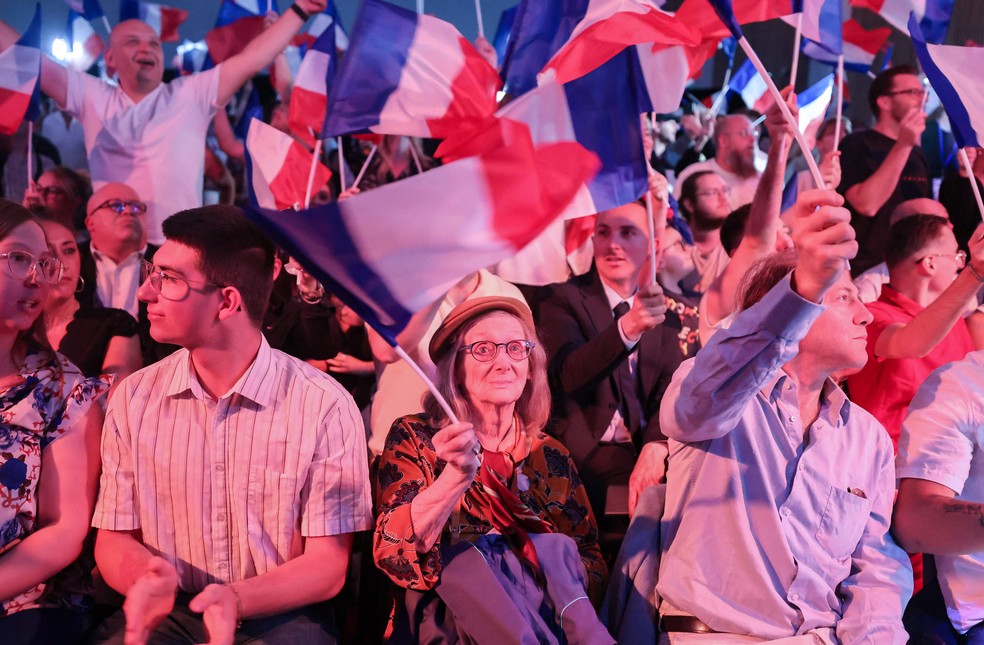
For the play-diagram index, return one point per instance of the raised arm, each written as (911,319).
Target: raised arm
(263,49)
(54,77)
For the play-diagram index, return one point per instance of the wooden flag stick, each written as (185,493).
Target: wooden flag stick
(314,166)
(794,69)
(341,165)
(973,180)
(365,166)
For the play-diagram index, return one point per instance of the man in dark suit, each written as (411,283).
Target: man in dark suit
(111,260)
(610,360)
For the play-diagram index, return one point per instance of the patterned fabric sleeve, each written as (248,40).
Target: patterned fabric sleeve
(406,467)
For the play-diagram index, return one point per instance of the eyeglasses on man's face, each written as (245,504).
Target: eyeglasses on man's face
(484,351)
(168,285)
(120,206)
(21,264)
(724,191)
(915,93)
(960,257)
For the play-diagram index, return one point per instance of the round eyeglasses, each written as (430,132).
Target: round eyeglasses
(484,351)
(960,257)
(22,264)
(120,206)
(167,285)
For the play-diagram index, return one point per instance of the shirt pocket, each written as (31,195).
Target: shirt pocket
(842,522)
(271,515)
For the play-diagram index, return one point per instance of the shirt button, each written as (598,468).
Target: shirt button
(220,468)
(787,512)
(220,517)
(795,597)
(792,419)
(223,565)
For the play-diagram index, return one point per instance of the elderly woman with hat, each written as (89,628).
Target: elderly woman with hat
(485,522)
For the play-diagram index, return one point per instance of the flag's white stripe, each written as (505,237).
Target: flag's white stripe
(268,148)
(313,71)
(19,68)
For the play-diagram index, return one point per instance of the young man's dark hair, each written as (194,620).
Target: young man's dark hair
(232,252)
(688,191)
(883,83)
(908,235)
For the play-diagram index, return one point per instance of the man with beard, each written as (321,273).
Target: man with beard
(734,162)
(884,166)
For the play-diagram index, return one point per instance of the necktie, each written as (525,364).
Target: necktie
(631,407)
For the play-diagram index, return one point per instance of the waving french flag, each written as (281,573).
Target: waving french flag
(84,43)
(408,74)
(191,57)
(813,103)
(163,19)
(309,98)
(747,83)
(860,47)
(20,69)
(954,72)
(327,19)
(822,21)
(278,168)
(239,22)
(894,12)
(392,251)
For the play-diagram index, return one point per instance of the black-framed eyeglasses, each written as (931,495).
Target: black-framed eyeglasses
(120,206)
(960,257)
(22,264)
(168,285)
(484,351)
(910,92)
(724,191)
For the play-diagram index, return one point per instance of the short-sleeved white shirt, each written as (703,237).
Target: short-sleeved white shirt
(156,146)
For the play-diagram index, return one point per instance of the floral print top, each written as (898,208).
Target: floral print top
(43,408)
(546,482)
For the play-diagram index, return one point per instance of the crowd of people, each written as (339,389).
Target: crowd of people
(199,444)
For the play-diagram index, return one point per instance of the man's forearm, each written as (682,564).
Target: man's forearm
(258,55)
(871,194)
(121,558)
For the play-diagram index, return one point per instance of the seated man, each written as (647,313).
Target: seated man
(233,475)
(779,489)
(610,359)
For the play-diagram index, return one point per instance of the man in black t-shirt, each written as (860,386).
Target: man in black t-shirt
(884,166)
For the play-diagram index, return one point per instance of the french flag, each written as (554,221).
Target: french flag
(440,226)
(84,43)
(309,98)
(600,111)
(20,69)
(954,72)
(328,18)
(894,12)
(812,103)
(860,47)
(936,20)
(278,168)
(748,84)
(540,28)
(408,74)
(191,57)
(822,20)
(608,27)
(504,31)
(163,19)
(239,22)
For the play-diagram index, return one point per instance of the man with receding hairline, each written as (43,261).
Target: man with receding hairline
(734,160)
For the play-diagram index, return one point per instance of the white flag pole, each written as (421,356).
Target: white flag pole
(478,13)
(796,50)
(365,166)
(420,7)
(416,157)
(840,102)
(109,29)
(341,165)
(314,166)
(973,180)
(800,139)
(429,383)
(30,153)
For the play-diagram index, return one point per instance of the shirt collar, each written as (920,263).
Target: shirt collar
(102,257)
(833,401)
(890,295)
(256,383)
(614,298)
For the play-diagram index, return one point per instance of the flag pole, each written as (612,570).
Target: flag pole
(429,383)
(420,7)
(652,231)
(478,13)
(365,166)
(796,50)
(973,180)
(314,166)
(800,139)
(109,29)
(30,153)
(341,165)
(840,101)
(416,157)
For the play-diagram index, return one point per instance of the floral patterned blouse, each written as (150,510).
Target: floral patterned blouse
(43,408)
(546,482)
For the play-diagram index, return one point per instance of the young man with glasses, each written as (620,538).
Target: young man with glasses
(233,474)
(884,166)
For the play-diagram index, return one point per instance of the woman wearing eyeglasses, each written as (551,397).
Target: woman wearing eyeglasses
(98,340)
(49,448)
(485,522)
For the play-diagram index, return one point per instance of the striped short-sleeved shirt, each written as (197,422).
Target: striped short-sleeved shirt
(225,489)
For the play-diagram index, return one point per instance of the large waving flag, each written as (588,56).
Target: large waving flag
(319,22)
(860,47)
(408,74)
(954,72)
(83,41)
(747,83)
(309,98)
(278,168)
(539,30)
(813,103)
(894,12)
(20,69)
(239,22)
(608,27)
(822,20)
(163,19)
(440,226)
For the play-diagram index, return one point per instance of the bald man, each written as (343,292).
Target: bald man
(147,133)
(735,139)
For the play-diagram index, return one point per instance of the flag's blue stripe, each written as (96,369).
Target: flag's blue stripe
(70,30)
(818,53)
(605,113)
(960,124)
(540,29)
(32,38)
(830,26)
(741,78)
(790,193)
(726,13)
(370,71)
(319,239)
(501,40)
(936,20)
(129,10)
(812,93)
(230,12)
(91,10)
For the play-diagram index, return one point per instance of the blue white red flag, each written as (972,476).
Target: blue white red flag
(504,31)
(319,22)
(608,27)
(239,22)
(190,57)
(440,226)
(163,19)
(954,72)
(894,12)
(747,83)
(83,41)
(309,98)
(278,168)
(408,74)
(20,69)
(822,20)
(860,47)
(813,103)
(600,111)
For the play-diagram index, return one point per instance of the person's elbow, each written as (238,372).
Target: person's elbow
(909,524)
(861,205)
